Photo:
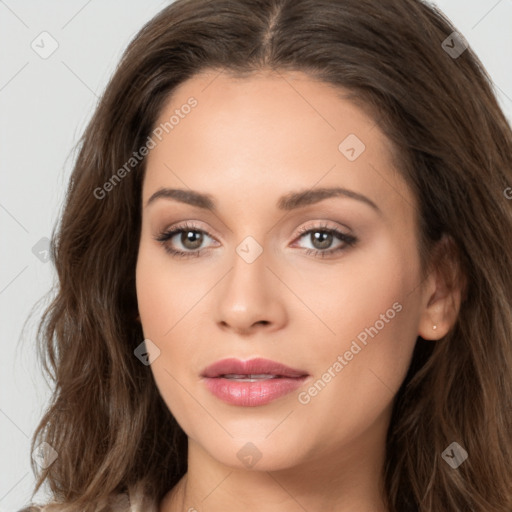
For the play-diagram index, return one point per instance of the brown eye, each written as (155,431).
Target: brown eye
(322,238)
(191,240)
(187,238)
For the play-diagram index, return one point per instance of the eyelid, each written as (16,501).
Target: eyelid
(187,224)
(190,225)
(325,225)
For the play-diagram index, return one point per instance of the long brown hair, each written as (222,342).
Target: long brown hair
(453,146)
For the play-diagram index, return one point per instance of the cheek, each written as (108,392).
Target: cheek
(363,297)
(376,322)
(164,294)
(166,299)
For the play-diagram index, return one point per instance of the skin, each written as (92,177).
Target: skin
(247,143)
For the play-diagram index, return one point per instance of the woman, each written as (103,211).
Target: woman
(205,358)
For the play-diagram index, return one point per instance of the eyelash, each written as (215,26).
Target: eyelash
(165,236)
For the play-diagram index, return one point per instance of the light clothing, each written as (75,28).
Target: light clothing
(134,501)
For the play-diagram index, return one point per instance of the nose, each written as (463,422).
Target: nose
(249,298)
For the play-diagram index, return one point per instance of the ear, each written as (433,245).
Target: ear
(442,291)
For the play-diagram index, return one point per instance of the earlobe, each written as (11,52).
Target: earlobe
(434,326)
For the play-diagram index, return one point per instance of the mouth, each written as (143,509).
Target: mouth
(254,369)
(251,383)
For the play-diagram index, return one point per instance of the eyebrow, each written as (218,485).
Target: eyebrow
(290,201)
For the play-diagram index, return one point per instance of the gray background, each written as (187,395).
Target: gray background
(45,105)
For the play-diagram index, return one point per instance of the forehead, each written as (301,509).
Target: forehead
(268,132)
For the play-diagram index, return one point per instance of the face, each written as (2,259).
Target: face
(274,264)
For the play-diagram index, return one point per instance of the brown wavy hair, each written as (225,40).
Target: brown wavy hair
(453,146)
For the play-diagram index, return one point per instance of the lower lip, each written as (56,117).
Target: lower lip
(251,394)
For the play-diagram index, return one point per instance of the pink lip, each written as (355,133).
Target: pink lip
(250,367)
(251,394)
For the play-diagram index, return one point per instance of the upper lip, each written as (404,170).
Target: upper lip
(255,366)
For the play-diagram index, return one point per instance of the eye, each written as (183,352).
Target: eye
(192,238)
(322,238)
(188,235)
